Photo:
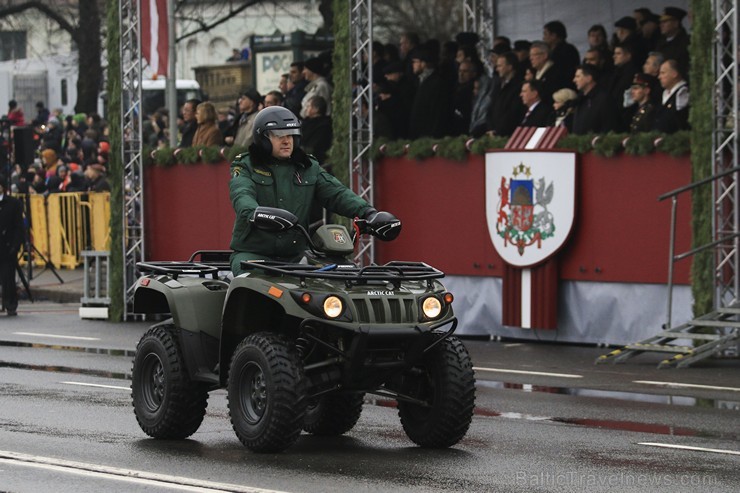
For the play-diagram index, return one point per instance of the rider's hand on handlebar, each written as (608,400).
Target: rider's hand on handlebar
(383,225)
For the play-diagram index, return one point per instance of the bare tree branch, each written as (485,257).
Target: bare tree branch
(207,27)
(47,10)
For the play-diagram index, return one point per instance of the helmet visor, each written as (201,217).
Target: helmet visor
(282,132)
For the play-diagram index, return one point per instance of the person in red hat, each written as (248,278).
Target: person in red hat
(643,111)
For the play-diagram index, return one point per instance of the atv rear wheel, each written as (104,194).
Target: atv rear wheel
(166,403)
(266,393)
(447,383)
(333,414)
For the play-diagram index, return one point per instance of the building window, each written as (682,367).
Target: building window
(64,92)
(12,45)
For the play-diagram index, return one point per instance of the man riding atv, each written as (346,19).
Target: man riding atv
(276,172)
(297,345)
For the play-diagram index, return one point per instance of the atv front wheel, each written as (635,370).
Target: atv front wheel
(266,392)
(166,403)
(333,414)
(445,381)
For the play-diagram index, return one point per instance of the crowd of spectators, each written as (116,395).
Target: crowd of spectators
(305,90)
(634,82)
(72,152)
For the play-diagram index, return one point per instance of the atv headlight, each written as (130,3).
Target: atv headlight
(431,307)
(333,307)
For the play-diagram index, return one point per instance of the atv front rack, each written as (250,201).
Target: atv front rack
(175,269)
(211,263)
(394,272)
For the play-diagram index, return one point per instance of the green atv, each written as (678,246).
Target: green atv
(298,345)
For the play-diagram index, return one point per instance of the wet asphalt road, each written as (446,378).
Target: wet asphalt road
(547,419)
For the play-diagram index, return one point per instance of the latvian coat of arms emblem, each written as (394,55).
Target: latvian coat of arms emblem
(530,203)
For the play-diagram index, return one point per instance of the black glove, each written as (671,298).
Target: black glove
(383,225)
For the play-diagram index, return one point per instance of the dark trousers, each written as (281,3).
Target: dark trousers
(7,281)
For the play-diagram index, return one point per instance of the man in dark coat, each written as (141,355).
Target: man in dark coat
(673,114)
(620,81)
(431,110)
(395,99)
(551,76)
(538,114)
(462,101)
(674,40)
(594,112)
(297,88)
(506,110)
(190,124)
(11,239)
(563,54)
(317,129)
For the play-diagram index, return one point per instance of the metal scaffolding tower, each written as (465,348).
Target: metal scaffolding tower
(361,119)
(131,148)
(725,225)
(478,17)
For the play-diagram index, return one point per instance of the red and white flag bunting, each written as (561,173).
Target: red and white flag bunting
(154,34)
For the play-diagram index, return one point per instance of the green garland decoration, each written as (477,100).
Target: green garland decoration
(487,142)
(341,104)
(456,148)
(608,145)
(676,145)
(453,148)
(210,155)
(396,148)
(701,117)
(113,87)
(163,157)
(640,144)
(187,155)
(421,149)
(579,143)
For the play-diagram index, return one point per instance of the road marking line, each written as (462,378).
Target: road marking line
(686,385)
(99,475)
(523,372)
(130,475)
(688,447)
(83,384)
(34,334)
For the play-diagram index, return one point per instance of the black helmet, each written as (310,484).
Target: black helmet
(275,119)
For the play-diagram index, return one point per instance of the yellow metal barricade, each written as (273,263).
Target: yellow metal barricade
(63,225)
(37,222)
(99,220)
(67,231)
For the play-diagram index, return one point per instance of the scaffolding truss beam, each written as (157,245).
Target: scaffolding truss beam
(725,153)
(131,149)
(361,117)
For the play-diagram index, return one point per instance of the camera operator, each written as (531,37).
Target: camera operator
(11,239)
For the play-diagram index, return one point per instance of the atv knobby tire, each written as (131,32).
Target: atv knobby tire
(266,393)
(333,414)
(166,403)
(447,383)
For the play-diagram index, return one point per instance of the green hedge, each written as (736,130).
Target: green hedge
(457,148)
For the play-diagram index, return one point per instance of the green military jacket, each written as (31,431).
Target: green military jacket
(287,184)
